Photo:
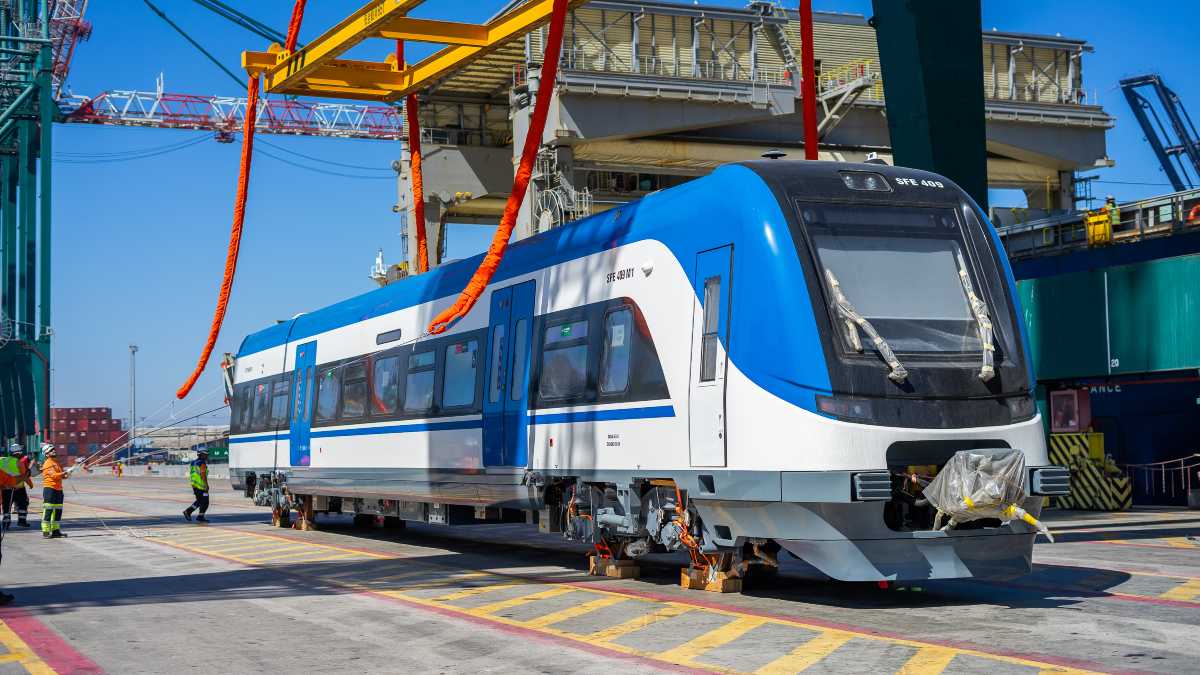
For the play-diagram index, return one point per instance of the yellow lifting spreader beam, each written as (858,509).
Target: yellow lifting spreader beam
(316,69)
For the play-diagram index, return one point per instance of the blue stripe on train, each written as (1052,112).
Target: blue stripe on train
(651,412)
(602,415)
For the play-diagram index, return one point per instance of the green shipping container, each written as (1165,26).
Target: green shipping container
(1120,320)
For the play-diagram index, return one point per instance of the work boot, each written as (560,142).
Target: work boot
(7,522)
(187,514)
(201,519)
(22,523)
(45,535)
(58,534)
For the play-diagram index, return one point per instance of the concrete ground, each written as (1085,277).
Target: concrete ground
(135,589)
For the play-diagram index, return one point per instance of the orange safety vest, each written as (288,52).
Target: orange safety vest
(52,474)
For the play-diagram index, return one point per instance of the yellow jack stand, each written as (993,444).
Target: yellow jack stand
(617,569)
(307,521)
(693,578)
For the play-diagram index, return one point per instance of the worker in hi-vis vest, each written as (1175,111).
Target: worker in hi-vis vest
(18,495)
(198,476)
(52,493)
(10,477)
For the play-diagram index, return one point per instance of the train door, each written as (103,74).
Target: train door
(506,391)
(301,421)
(710,344)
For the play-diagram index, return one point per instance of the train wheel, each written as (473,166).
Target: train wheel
(364,521)
(393,523)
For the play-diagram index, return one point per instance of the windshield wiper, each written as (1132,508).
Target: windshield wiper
(852,321)
(984,323)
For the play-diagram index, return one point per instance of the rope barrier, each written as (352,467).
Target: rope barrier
(533,141)
(239,209)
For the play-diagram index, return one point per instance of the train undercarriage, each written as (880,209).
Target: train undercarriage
(885,529)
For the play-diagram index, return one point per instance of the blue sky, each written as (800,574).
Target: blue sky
(139,245)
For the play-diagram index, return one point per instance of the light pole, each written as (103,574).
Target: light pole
(132,399)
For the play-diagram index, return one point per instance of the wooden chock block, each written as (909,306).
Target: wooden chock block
(698,579)
(616,569)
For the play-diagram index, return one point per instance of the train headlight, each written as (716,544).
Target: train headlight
(1021,408)
(865,180)
(848,409)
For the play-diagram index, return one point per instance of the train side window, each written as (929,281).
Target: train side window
(308,393)
(354,390)
(262,398)
(385,385)
(564,361)
(280,397)
(458,386)
(708,332)
(519,360)
(328,393)
(418,385)
(496,377)
(241,410)
(614,360)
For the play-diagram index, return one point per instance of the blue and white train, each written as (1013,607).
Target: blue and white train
(761,358)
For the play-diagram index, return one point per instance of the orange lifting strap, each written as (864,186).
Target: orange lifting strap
(533,140)
(413,122)
(239,208)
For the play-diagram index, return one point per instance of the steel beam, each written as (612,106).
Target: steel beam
(46,109)
(316,70)
(441,32)
(290,69)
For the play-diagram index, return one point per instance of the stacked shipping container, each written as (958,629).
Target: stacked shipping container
(79,432)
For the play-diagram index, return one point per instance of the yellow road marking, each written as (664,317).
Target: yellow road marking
(199,538)
(20,652)
(516,602)
(439,583)
(928,661)
(256,546)
(1179,542)
(826,642)
(808,653)
(638,623)
(572,612)
(300,553)
(1189,590)
(688,651)
(403,575)
(477,590)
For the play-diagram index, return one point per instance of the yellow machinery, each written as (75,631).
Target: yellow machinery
(1099,227)
(317,70)
(1097,483)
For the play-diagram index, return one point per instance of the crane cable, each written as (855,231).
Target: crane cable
(533,141)
(412,121)
(239,208)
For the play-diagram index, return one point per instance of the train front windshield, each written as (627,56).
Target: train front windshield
(902,270)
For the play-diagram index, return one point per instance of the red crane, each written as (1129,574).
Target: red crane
(67,29)
(225,114)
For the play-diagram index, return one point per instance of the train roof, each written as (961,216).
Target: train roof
(594,233)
